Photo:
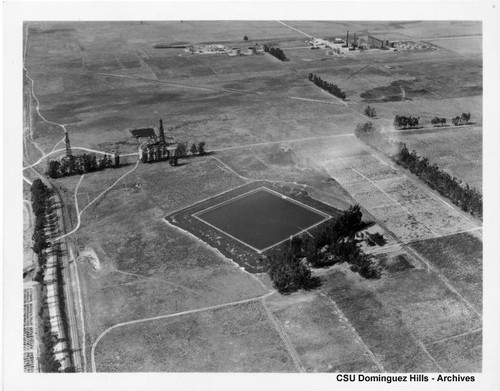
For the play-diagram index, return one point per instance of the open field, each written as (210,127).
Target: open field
(459,258)
(238,338)
(321,337)
(263,122)
(410,309)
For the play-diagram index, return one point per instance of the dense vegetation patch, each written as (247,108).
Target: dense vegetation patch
(331,243)
(81,164)
(405,122)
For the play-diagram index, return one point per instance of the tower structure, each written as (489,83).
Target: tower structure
(162,133)
(68,146)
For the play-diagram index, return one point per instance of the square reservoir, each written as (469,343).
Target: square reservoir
(261,218)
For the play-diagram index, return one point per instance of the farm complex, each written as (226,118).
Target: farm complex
(253,196)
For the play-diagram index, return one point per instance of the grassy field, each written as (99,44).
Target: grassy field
(263,121)
(459,258)
(237,339)
(321,337)
(410,309)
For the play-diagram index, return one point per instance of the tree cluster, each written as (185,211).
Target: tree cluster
(462,120)
(370,111)
(467,198)
(332,242)
(405,122)
(289,273)
(81,164)
(438,121)
(276,52)
(329,87)
(198,149)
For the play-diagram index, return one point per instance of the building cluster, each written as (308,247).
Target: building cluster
(221,49)
(207,49)
(349,42)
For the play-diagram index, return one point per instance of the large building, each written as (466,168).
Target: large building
(377,43)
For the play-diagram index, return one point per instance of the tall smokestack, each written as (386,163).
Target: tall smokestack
(162,133)
(347,39)
(68,146)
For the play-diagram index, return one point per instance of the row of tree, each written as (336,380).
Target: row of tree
(41,205)
(405,122)
(158,152)
(81,164)
(276,52)
(332,242)
(467,198)
(370,111)
(47,359)
(329,87)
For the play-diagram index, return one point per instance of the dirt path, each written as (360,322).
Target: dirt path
(345,320)
(284,337)
(79,214)
(293,28)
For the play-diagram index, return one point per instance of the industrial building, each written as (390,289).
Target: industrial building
(377,43)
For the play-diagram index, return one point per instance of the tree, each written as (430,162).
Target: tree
(201,148)
(370,111)
(181,150)
(54,169)
(245,38)
(289,273)
(193,149)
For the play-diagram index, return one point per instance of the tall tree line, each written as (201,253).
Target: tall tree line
(276,52)
(329,87)
(42,206)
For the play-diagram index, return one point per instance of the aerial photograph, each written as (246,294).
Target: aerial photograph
(253,196)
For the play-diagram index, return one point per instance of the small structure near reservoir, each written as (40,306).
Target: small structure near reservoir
(143,132)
